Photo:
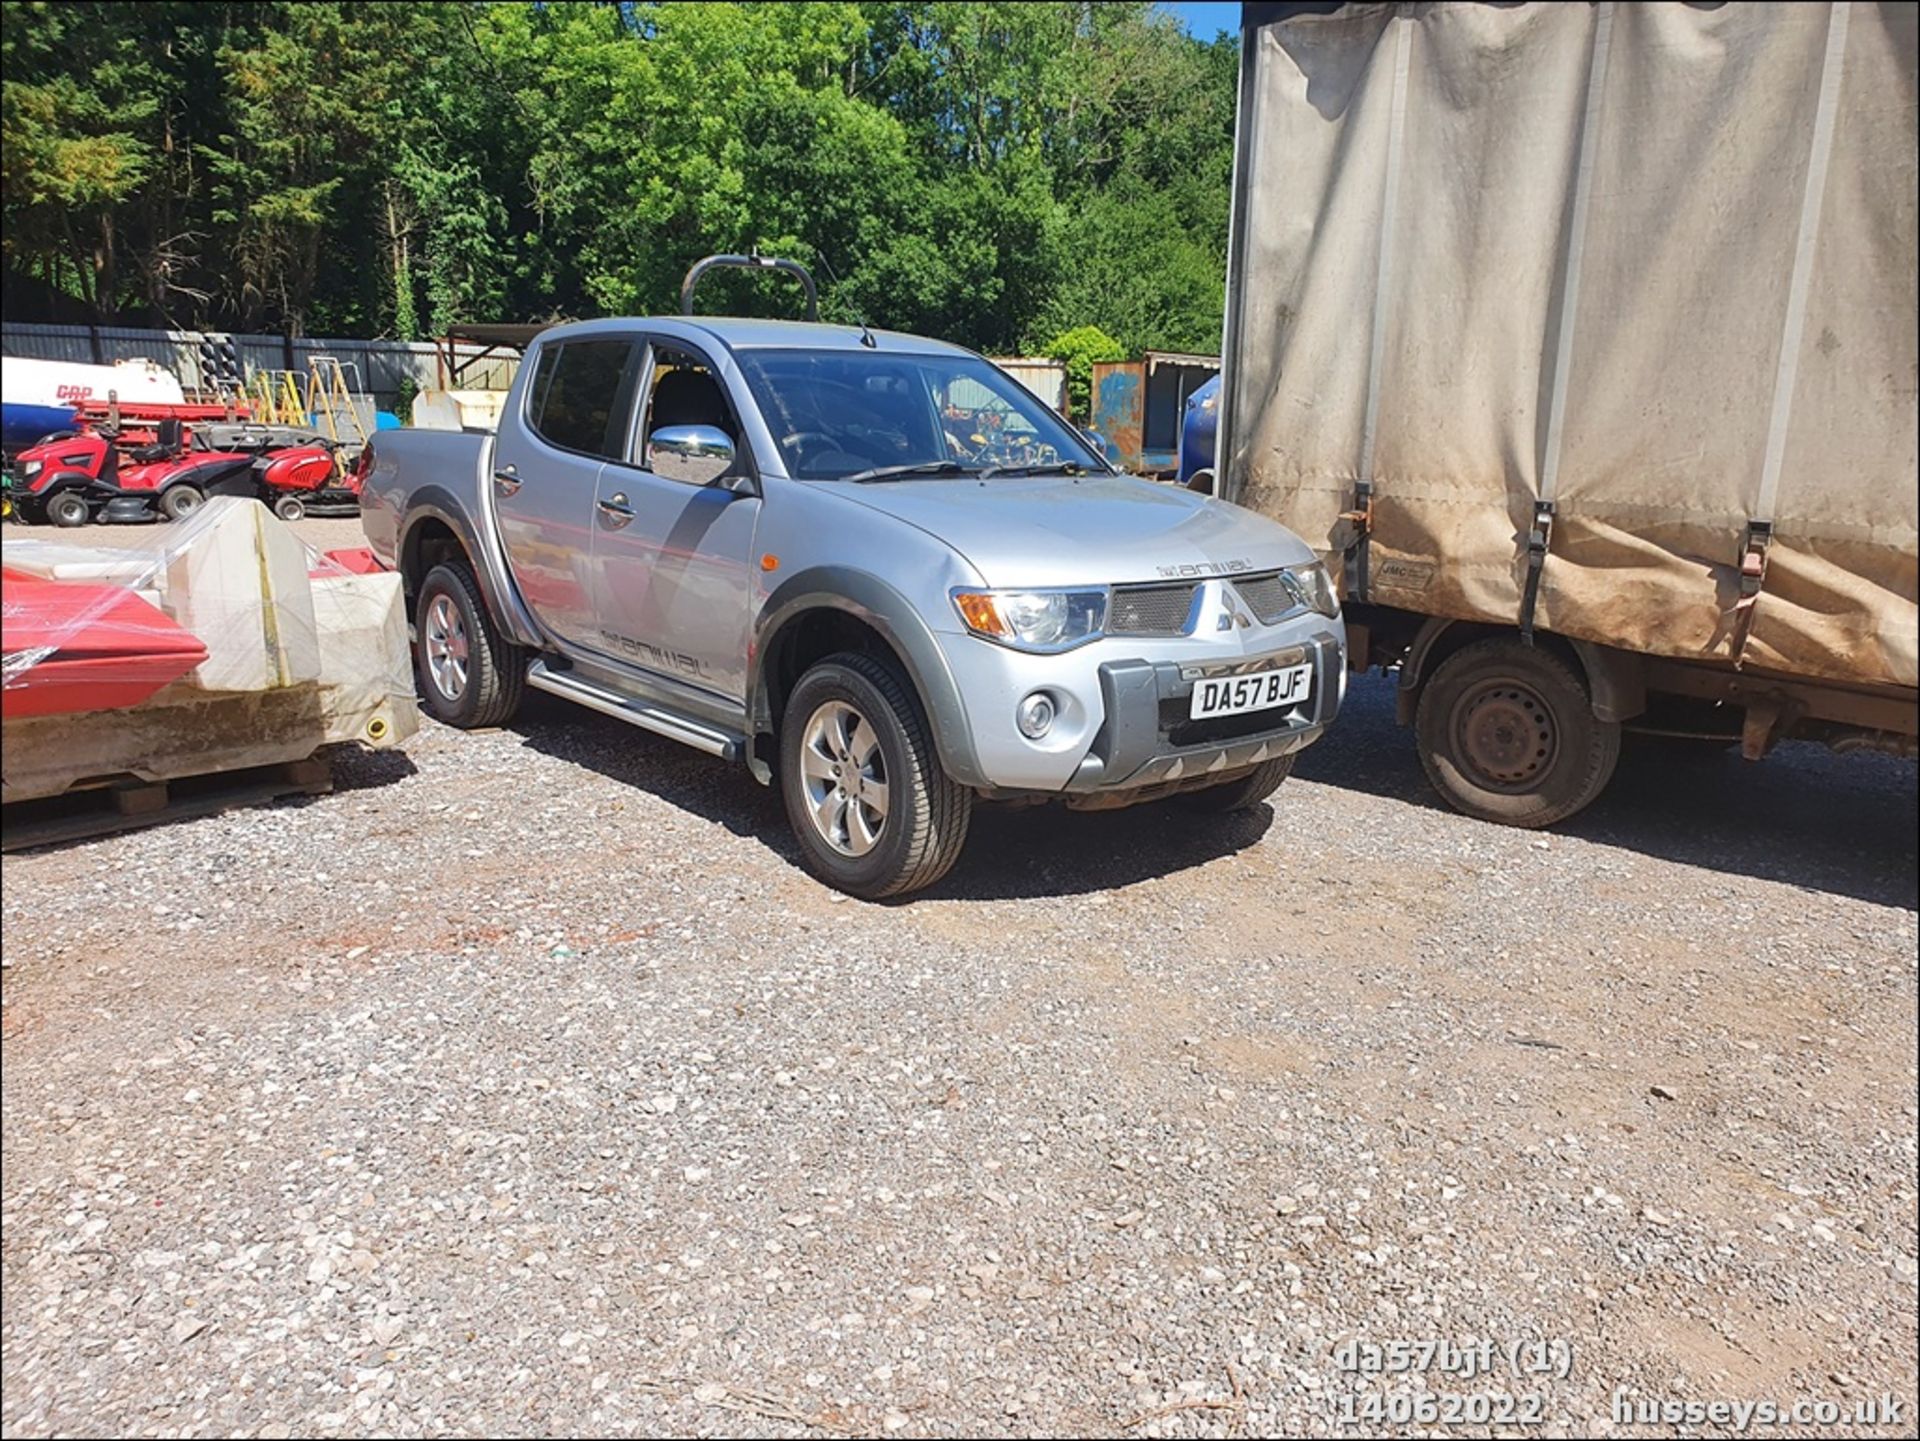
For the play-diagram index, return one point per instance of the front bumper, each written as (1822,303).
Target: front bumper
(1122,708)
(1147,740)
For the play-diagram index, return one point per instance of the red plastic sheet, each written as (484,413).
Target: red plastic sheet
(74,647)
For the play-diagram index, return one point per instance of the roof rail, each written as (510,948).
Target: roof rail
(754,261)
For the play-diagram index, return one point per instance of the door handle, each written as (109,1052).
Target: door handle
(507,479)
(616,509)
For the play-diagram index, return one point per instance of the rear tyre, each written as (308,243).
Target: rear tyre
(1242,794)
(179,501)
(1507,733)
(289,507)
(470,675)
(873,811)
(69,509)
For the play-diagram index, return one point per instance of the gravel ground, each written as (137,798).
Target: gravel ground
(526,1084)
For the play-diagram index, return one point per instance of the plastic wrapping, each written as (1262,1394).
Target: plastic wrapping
(214,643)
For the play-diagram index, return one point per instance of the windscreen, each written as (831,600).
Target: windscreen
(840,413)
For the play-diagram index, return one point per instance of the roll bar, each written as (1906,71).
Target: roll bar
(749,262)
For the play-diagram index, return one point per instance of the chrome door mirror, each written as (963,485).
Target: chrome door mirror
(690,454)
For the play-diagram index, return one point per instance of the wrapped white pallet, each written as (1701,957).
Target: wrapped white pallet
(218,644)
(239,582)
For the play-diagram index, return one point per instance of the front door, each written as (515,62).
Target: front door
(546,467)
(673,562)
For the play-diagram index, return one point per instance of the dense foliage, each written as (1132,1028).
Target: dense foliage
(997,174)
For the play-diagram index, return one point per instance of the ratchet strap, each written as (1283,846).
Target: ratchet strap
(1539,539)
(1540,533)
(1753,552)
(1753,576)
(1353,578)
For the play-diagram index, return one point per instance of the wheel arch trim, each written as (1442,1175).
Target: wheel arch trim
(432,503)
(873,601)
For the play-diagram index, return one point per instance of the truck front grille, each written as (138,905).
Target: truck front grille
(1267,596)
(1144,610)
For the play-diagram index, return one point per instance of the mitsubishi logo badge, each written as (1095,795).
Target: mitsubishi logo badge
(1232,614)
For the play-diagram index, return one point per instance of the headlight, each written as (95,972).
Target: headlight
(1312,587)
(30,469)
(1033,619)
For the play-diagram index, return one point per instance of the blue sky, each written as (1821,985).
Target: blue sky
(1204,20)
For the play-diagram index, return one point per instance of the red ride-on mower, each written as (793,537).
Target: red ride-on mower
(308,480)
(73,478)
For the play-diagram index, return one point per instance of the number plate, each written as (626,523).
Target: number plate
(1258,690)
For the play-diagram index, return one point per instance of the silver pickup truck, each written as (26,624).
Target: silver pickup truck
(870,566)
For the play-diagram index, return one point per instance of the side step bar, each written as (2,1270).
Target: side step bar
(582,691)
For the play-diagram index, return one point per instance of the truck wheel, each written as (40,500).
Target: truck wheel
(69,508)
(1242,794)
(177,501)
(470,675)
(873,811)
(1507,733)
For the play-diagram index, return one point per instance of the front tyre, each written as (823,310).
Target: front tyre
(1507,733)
(180,501)
(69,509)
(289,508)
(470,675)
(873,811)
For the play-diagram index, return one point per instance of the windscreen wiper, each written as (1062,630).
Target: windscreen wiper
(1057,467)
(900,472)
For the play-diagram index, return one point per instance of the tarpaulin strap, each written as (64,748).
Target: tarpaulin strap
(1753,575)
(1538,541)
(1753,554)
(1402,25)
(1540,536)
(1354,575)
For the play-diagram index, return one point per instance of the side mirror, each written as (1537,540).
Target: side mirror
(690,454)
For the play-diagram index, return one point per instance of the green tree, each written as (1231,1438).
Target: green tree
(78,147)
(994,173)
(1080,347)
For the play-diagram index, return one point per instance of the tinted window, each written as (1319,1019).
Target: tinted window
(582,392)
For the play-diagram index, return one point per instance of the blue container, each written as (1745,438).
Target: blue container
(1199,428)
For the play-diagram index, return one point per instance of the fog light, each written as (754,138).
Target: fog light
(1035,715)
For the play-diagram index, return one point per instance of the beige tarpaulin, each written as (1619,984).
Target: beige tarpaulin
(1654,263)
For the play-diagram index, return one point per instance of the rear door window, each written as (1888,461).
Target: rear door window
(582,395)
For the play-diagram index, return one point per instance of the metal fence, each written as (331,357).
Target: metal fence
(1045,378)
(374,367)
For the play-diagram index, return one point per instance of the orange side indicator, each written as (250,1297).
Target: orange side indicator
(769,562)
(980,613)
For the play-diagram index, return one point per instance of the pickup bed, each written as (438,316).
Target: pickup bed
(872,568)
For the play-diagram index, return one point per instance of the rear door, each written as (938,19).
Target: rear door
(673,561)
(547,460)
